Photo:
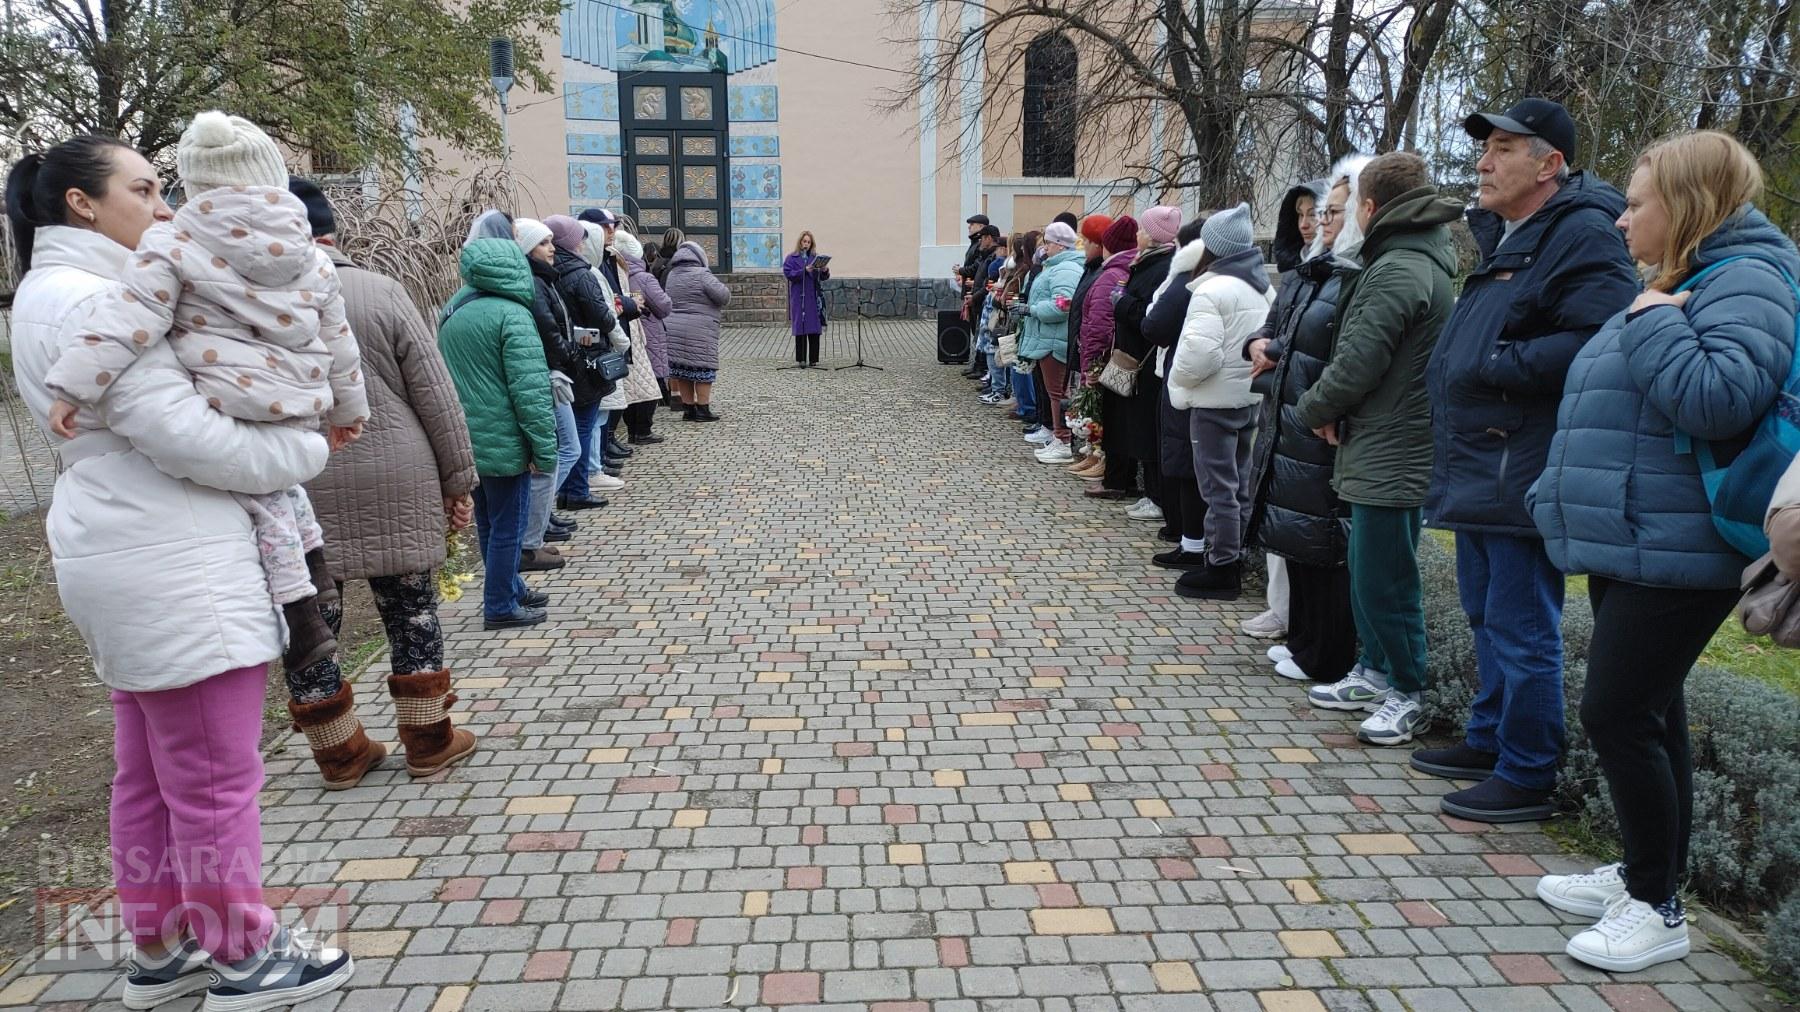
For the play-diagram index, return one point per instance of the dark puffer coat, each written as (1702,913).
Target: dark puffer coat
(1132,426)
(1162,330)
(1296,514)
(586,306)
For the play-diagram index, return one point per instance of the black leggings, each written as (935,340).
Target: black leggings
(1646,639)
(806,348)
(408,608)
(639,418)
(1321,627)
(1189,516)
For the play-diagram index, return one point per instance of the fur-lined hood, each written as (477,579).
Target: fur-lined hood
(1187,257)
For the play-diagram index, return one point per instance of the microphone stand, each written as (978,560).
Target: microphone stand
(859,363)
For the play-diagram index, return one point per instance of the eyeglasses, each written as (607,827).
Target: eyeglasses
(1326,214)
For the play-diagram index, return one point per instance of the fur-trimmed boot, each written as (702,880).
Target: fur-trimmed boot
(339,745)
(422,711)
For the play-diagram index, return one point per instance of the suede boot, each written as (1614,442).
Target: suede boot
(422,711)
(322,580)
(339,745)
(310,639)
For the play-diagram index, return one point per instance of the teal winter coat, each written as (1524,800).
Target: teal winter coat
(1044,333)
(496,360)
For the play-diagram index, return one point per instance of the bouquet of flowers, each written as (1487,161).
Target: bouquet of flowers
(1084,414)
(1063,302)
(457,569)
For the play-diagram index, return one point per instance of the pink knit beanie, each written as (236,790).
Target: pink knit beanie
(1162,222)
(566,232)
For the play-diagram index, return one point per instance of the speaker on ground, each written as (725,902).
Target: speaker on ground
(952,338)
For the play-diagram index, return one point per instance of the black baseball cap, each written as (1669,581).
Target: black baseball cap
(979,219)
(1534,117)
(599,216)
(990,231)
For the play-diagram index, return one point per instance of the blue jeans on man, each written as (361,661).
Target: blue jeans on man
(1514,599)
(502,507)
(588,420)
(544,486)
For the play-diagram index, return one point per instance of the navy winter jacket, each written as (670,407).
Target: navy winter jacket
(1616,499)
(1496,376)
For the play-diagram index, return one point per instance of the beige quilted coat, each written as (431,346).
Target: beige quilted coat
(381,499)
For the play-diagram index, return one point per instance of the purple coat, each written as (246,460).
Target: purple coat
(806,310)
(655,305)
(1097,311)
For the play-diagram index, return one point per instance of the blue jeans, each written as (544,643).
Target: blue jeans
(502,506)
(1514,599)
(544,486)
(999,376)
(588,421)
(1025,392)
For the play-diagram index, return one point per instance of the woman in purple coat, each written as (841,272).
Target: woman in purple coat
(806,300)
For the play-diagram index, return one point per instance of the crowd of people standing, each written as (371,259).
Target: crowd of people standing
(1609,358)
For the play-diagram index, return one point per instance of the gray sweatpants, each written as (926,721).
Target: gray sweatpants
(1222,439)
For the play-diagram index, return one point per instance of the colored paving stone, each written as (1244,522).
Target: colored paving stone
(814,726)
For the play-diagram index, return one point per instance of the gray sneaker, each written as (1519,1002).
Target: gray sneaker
(290,969)
(1363,689)
(1394,723)
(151,982)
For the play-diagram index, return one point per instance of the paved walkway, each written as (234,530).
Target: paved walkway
(824,722)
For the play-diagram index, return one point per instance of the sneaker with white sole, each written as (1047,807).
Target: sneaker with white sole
(1146,511)
(1633,935)
(605,483)
(1267,626)
(989,398)
(150,982)
(1585,894)
(1362,689)
(1039,436)
(290,969)
(1057,452)
(1287,669)
(1395,723)
(1279,652)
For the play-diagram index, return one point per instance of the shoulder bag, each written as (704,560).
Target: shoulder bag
(1771,604)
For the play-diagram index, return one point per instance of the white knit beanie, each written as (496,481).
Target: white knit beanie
(217,150)
(529,232)
(627,245)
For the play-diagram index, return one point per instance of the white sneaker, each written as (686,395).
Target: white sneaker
(1362,689)
(1586,894)
(1393,724)
(1146,511)
(1286,668)
(603,482)
(1631,936)
(1057,452)
(1280,652)
(1039,436)
(1267,626)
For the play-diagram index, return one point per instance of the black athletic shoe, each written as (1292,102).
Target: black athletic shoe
(1458,762)
(1176,558)
(289,970)
(519,619)
(151,982)
(1496,801)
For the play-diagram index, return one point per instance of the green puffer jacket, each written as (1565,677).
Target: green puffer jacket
(1044,333)
(497,362)
(1389,315)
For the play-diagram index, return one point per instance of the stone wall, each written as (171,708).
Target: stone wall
(888,298)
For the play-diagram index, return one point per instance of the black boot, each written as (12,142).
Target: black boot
(614,448)
(326,587)
(309,637)
(1213,583)
(690,413)
(706,414)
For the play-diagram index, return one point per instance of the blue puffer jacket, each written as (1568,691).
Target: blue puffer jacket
(1615,498)
(1044,333)
(1496,375)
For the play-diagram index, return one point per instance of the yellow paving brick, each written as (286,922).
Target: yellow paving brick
(885,664)
(1040,830)
(481,683)
(775,677)
(1368,844)
(950,778)
(905,853)
(1123,703)
(451,999)
(678,713)
(1311,944)
(896,734)
(607,755)
(547,805)
(1075,792)
(689,818)
(379,869)
(1072,921)
(1154,808)
(1293,755)
(1046,681)
(1175,976)
(25,990)
(534,643)
(376,944)
(674,648)
(770,767)
(777,724)
(1290,1001)
(1030,872)
(1103,743)
(989,719)
(1222,714)
(1179,669)
(1050,643)
(756,903)
(808,630)
(1303,891)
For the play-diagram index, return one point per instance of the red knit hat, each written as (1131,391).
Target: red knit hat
(1121,236)
(1094,226)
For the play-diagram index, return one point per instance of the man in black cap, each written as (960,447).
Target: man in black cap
(974,280)
(1553,269)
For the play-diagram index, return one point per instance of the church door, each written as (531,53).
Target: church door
(674,129)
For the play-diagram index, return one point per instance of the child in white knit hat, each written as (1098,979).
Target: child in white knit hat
(253,310)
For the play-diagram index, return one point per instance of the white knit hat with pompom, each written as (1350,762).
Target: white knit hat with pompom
(217,150)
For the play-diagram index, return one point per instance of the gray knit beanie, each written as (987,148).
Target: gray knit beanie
(1228,232)
(217,150)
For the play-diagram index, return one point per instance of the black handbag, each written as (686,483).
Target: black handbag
(613,366)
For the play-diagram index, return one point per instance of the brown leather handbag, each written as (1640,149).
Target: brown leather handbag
(1771,604)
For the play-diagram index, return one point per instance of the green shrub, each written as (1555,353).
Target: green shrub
(1783,930)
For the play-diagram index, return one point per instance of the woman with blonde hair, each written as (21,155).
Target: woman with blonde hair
(1699,357)
(806,279)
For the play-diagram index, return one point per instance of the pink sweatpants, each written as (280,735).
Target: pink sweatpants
(186,830)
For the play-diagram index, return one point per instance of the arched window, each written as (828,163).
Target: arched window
(1049,107)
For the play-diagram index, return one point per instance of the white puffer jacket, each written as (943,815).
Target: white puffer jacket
(1209,369)
(154,559)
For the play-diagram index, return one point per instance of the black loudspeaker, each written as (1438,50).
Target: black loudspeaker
(952,338)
